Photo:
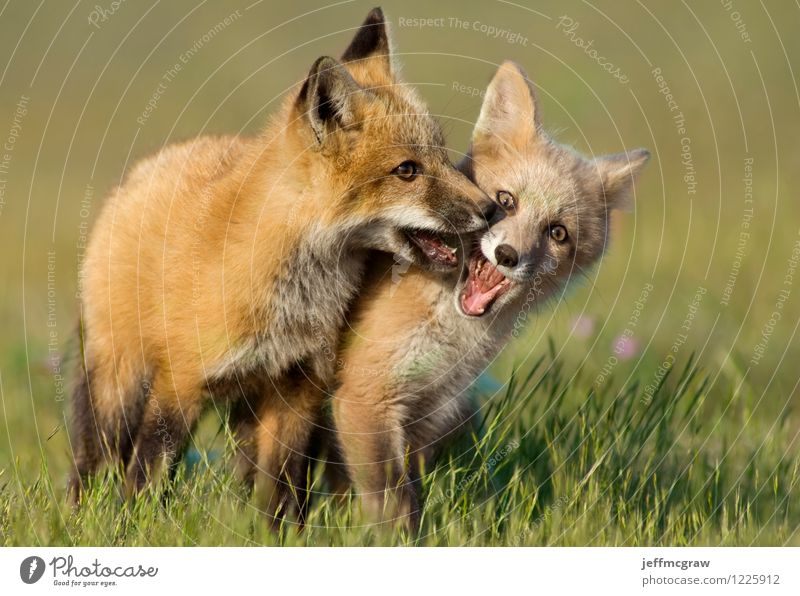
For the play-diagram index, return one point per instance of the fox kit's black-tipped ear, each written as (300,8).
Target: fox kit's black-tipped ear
(510,111)
(328,97)
(371,44)
(617,172)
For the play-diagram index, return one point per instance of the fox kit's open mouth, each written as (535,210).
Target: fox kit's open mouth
(434,246)
(484,285)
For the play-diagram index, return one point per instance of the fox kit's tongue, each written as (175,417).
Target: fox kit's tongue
(435,248)
(484,285)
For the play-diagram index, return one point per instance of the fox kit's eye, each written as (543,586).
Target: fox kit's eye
(558,233)
(407,170)
(506,200)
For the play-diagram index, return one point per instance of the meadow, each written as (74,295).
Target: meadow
(654,403)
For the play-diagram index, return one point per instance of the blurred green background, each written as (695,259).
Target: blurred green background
(83,74)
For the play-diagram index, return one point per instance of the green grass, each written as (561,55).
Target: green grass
(709,460)
(552,462)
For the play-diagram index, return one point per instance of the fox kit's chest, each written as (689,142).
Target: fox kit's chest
(446,353)
(307,306)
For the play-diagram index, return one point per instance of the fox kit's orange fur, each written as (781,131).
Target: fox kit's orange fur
(417,343)
(221,263)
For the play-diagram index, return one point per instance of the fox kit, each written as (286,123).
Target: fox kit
(416,344)
(222,263)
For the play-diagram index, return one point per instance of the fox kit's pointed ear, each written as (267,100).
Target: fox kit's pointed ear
(617,173)
(371,47)
(328,99)
(510,111)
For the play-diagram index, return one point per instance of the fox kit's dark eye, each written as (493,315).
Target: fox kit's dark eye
(558,233)
(407,170)
(506,200)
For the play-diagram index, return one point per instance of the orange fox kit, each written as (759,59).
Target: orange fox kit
(417,344)
(222,263)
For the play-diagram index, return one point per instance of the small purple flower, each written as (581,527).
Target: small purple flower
(583,326)
(626,347)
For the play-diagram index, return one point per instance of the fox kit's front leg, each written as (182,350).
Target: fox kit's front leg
(286,416)
(377,454)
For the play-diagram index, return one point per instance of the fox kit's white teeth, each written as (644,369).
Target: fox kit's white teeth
(434,247)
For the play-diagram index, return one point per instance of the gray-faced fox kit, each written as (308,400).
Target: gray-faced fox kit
(416,344)
(222,263)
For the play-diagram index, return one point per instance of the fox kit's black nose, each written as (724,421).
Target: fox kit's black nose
(489,212)
(506,255)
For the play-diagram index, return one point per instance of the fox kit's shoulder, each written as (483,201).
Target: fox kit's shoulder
(193,163)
